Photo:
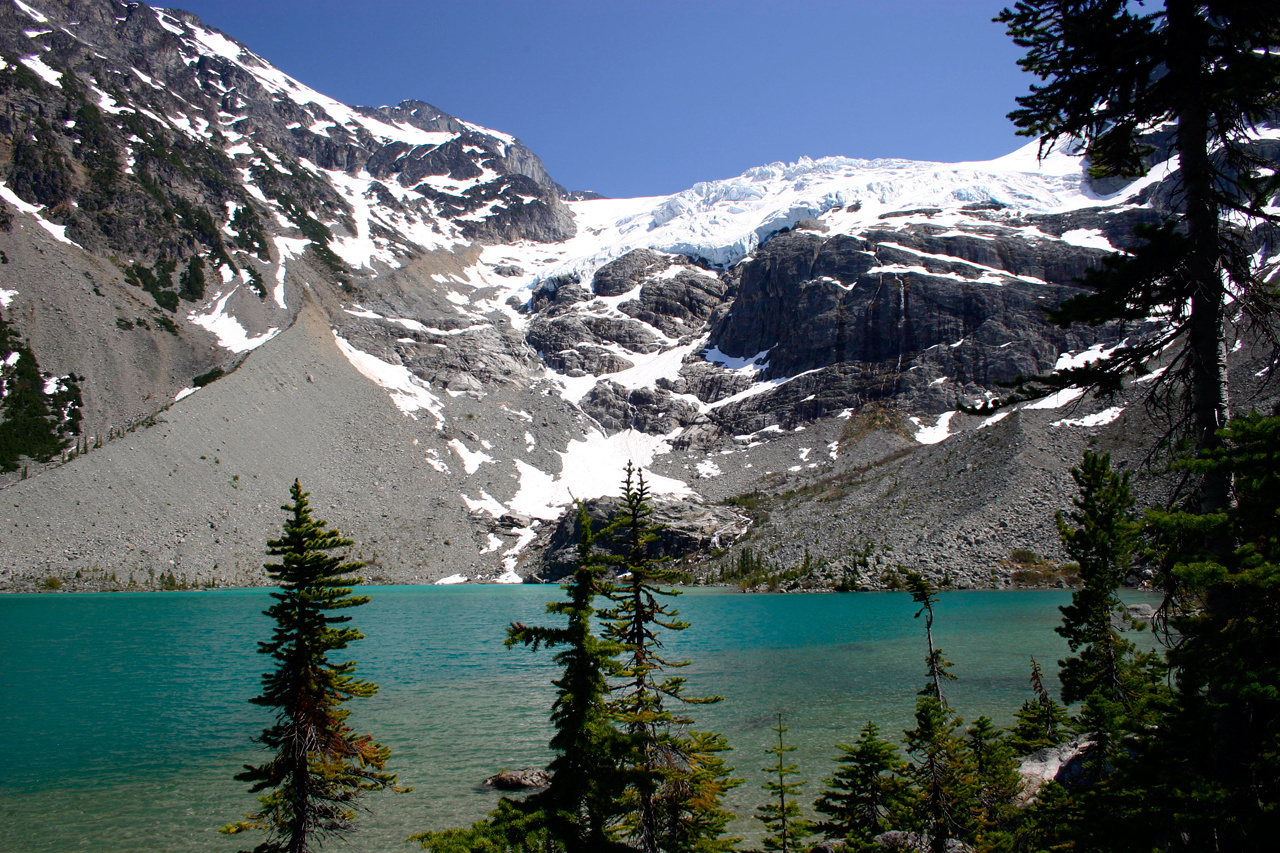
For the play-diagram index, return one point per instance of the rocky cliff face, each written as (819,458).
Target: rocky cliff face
(248,282)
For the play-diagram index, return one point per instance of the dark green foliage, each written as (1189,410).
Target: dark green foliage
(191,283)
(781,816)
(248,227)
(1041,722)
(165,323)
(868,794)
(1112,71)
(577,807)
(39,173)
(33,424)
(320,765)
(1215,761)
(256,282)
(690,816)
(657,766)
(511,828)
(205,378)
(158,283)
(996,784)
(296,198)
(1117,685)
(941,772)
(320,236)
(1100,534)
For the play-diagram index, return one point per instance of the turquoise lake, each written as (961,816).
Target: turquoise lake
(127,715)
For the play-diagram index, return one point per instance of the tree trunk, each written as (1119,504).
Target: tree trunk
(1206,342)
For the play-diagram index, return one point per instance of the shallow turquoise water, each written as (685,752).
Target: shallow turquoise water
(126,715)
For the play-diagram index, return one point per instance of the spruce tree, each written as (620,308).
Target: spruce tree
(1117,685)
(580,804)
(993,814)
(1041,721)
(942,773)
(867,795)
(782,818)
(1100,534)
(926,595)
(660,752)
(691,818)
(33,424)
(1113,71)
(1212,767)
(320,766)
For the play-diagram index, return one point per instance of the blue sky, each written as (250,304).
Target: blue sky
(634,98)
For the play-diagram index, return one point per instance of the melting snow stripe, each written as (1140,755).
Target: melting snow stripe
(408,392)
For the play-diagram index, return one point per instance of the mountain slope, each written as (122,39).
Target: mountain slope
(250,282)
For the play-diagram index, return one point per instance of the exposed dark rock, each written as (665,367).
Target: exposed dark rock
(558,333)
(678,305)
(622,275)
(651,410)
(587,359)
(814,302)
(693,529)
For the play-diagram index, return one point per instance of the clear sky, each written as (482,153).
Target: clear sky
(648,97)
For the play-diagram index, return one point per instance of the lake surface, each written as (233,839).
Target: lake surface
(127,715)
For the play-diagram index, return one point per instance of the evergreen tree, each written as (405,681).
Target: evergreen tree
(33,424)
(782,817)
(1114,71)
(1213,765)
(659,761)
(691,818)
(996,786)
(1117,685)
(942,773)
(579,805)
(321,766)
(868,794)
(191,282)
(1041,722)
(1100,535)
(926,595)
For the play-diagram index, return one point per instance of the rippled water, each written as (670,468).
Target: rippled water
(126,715)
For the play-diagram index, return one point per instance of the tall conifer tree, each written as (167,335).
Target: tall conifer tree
(663,755)
(1212,767)
(320,766)
(1114,71)
(580,803)
(1041,722)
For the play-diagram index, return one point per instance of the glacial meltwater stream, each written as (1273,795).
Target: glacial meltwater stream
(127,715)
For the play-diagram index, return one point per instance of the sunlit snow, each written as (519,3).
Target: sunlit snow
(591,468)
(1106,416)
(230,333)
(1058,399)
(408,392)
(471,460)
(940,431)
